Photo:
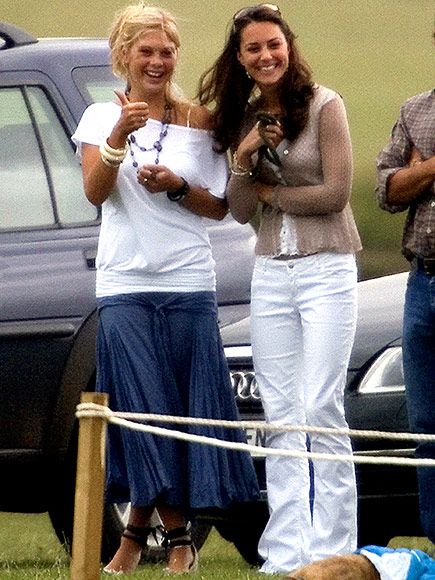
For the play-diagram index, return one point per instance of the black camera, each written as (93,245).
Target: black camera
(264,119)
(268,151)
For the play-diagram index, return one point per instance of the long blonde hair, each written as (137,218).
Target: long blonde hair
(129,24)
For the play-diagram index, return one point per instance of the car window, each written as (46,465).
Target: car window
(39,172)
(66,175)
(96,84)
(24,194)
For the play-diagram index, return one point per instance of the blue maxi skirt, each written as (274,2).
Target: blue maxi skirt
(161,352)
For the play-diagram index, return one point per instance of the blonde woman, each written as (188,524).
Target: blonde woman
(148,159)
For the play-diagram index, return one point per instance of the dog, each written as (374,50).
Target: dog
(347,567)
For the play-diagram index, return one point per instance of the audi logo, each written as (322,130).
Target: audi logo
(244,385)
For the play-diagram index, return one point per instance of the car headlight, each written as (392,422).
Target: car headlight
(385,374)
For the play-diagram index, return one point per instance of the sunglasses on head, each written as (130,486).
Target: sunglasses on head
(252,10)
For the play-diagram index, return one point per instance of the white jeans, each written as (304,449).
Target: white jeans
(303,318)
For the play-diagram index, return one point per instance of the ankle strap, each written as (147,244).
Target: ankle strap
(139,534)
(177,537)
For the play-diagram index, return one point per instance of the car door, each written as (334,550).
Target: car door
(48,239)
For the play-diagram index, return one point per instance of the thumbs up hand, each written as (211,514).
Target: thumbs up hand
(133,116)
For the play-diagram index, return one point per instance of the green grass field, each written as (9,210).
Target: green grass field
(29,550)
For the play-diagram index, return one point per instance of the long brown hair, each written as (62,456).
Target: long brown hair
(226,85)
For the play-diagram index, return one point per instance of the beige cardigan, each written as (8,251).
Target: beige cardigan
(310,210)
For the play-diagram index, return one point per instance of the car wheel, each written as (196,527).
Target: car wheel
(244,528)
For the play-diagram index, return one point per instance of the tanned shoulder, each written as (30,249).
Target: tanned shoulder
(200,117)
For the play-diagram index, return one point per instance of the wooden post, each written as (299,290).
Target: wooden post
(88,508)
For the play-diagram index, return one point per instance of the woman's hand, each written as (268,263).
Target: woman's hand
(264,192)
(134,115)
(158,178)
(270,135)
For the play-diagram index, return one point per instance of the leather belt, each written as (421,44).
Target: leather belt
(284,257)
(292,256)
(425,264)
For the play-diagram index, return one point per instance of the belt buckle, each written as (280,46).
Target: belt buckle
(429,266)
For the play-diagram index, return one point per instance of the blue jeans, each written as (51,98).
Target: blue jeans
(419,371)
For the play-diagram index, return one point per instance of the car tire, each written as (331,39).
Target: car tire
(243,528)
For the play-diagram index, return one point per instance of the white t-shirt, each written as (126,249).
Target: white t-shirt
(147,242)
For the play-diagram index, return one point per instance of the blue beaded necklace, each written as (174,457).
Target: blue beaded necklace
(157,145)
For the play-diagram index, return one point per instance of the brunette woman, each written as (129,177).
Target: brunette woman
(292,163)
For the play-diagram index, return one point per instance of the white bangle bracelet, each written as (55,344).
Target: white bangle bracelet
(115,159)
(110,156)
(122,152)
(108,163)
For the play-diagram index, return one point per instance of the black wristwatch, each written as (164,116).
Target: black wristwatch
(179,193)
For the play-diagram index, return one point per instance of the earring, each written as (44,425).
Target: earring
(247,74)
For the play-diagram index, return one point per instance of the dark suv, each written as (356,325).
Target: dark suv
(48,239)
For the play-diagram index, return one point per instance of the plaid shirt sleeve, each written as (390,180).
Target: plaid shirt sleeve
(390,160)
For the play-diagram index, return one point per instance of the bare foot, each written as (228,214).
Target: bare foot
(182,560)
(126,558)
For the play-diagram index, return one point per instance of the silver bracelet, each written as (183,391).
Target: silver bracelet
(237,169)
(234,171)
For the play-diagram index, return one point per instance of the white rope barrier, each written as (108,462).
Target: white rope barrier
(94,410)
(406,436)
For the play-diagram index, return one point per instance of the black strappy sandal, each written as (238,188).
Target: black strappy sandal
(139,535)
(178,538)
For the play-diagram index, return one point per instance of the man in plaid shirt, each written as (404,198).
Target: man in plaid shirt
(406,173)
